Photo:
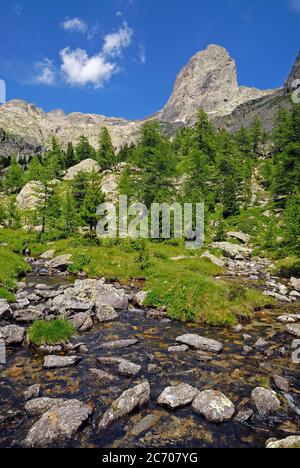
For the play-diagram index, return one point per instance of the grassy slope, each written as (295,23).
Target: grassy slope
(11,267)
(187,287)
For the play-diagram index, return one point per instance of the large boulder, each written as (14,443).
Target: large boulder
(179,396)
(234,251)
(28,198)
(38,406)
(129,401)
(88,166)
(240,236)
(12,334)
(214,406)
(109,186)
(213,259)
(266,401)
(200,342)
(58,424)
(60,262)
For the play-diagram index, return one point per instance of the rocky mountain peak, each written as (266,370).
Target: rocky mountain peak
(295,73)
(208,81)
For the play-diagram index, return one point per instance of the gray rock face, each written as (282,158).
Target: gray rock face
(179,396)
(88,166)
(5,311)
(129,369)
(82,322)
(32,392)
(12,334)
(129,400)
(39,406)
(288,443)
(54,362)
(201,343)
(266,401)
(213,259)
(293,330)
(208,82)
(214,406)
(28,199)
(58,424)
(106,314)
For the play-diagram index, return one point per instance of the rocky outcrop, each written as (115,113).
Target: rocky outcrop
(28,199)
(213,259)
(87,166)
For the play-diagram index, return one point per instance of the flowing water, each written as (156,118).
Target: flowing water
(231,372)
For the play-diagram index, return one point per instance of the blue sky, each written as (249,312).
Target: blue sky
(120,57)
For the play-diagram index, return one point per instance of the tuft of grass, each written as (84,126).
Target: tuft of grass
(52,333)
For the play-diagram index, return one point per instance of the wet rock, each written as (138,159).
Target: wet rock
(154,369)
(201,343)
(214,406)
(296,345)
(144,425)
(281,383)
(12,334)
(110,360)
(213,259)
(39,406)
(50,349)
(178,396)
(203,357)
(260,343)
(77,305)
(247,337)
(58,424)
(129,369)
(247,349)
(240,236)
(178,349)
(110,296)
(277,296)
(32,392)
(295,294)
(288,443)
(140,298)
(22,303)
(119,344)
(82,322)
(295,284)
(5,311)
(293,330)
(266,401)
(102,376)
(244,416)
(289,318)
(34,298)
(28,315)
(61,262)
(48,255)
(53,362)
(106,314)
(238,329)
(129,401)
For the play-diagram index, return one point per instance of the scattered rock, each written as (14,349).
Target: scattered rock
(178,349)
(244,416)
(203,357)
(82,322)
(32,392)
(281,383)
(88,166)
(28,199)
(201,343)
(129,400)
(12,334)
(266,401)
(39,406)
(213,259)
(277,296)
(140,298)
(240,236)
(295,284)
(296,345)
(233,251)
(119,344)
(5,311)
(60,423)
(28,315)
(144,425)
(106,313)
(53,362)
(61,262)
(261,343)
(293,330)
(102,376)
(288,443)
(214,406)
(238,329)
(129,369)
(178,396)
(48,255)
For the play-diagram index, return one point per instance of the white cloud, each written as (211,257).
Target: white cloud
(115,42)
(79,69)
(118,14)
(295,5)
(45,73)
(74,24)
(142,54)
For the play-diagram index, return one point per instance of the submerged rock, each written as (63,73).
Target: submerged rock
(201,343)
(58,424)
(178,349)
(281,383)
(214,406)
(101,375)
(244,416)
(32,392)
(266,401)
(178,396)
(119,344)
(129,400)
(53,362)
(129,369)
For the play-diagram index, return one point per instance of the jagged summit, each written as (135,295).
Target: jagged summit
(208,81)
(295,73)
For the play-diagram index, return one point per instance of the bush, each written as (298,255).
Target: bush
(52,333)
(79,262)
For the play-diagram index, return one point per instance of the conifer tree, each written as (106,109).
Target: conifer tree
(14,177)
(230,201)
(93,198)
(70,156)
(106,153)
